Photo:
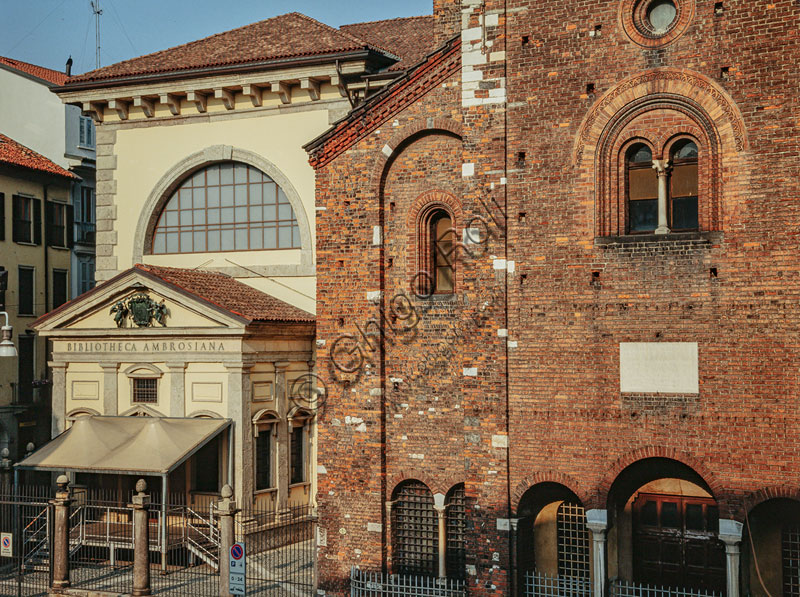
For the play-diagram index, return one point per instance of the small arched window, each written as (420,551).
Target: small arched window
(436,252)
(266,424)
(226,207)
(455,511)
(683,186)
(642,188)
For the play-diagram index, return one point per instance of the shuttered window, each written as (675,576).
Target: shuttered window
(60,293)
(27,220)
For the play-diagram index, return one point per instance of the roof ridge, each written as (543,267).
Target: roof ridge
(18,65)
(347,35)
(387,20)
(29,153)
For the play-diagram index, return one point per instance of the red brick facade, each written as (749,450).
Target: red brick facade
(525,353)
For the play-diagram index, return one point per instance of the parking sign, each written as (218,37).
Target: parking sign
(237,568)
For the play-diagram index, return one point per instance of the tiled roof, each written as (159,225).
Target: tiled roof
(51,76)
(392,99)
(409,38)
(16,154)
(229,294)
(291,35)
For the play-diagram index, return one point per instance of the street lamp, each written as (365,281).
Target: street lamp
(7,348)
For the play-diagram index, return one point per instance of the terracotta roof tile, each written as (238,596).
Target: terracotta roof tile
(409,38)
(392,99)
(229,294)
(285,36)
(16,154)
(51,76)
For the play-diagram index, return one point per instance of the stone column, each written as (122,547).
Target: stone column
(227,537)
(110,389)
(177,391)
(59,397)
(597,522)
(239,413)
(441,511)
(662,168)
(141,540)
(730,533)
(60,560)
(513,524)
(282,406)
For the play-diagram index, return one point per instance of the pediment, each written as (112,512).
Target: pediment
(134,301)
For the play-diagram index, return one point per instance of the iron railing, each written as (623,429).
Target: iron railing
(85,233)
(538,584)
(377,584)
(623,588)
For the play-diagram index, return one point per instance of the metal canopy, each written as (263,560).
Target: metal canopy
(125,445)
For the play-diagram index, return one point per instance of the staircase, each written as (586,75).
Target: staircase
(202,537)
(36,541)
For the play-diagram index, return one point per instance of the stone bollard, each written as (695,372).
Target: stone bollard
(227,537)
(141,540)
(60,562)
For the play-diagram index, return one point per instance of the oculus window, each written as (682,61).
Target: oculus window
(226,207)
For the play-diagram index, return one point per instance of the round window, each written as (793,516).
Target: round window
(661,14)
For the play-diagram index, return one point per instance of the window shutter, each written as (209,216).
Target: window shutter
(16,213)
(2,216)
(49,216)
(37,221)
(70,226)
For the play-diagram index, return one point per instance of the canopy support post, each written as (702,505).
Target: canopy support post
(230,455)
(163,529)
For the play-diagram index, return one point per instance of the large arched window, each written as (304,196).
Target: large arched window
(456,514)
(226,207)
(642,189)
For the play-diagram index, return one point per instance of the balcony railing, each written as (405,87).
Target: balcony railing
(542,585)
(85,233)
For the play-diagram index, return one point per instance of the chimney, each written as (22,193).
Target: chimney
(446,19)
(68,70)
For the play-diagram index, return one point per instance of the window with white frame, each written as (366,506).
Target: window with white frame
(86,132)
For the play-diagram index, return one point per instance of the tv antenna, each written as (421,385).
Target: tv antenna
(97,12)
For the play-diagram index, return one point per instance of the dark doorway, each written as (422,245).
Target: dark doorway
(675,542)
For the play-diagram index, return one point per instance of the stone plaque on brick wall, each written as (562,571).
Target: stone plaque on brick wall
(658,367)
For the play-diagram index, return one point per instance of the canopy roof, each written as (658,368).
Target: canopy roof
(125,445)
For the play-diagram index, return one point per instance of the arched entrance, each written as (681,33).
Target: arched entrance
(664,528)
(552,537)
(771,549)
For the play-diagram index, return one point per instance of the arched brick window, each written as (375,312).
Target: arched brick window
(573,541)
(684,185)
(414,530)
(437,243)
(642,188)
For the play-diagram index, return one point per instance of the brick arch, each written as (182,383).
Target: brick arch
(599,498)
(410,475)
(677,83)
(755,498)
(548,477)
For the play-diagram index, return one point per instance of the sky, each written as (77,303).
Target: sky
(47,32)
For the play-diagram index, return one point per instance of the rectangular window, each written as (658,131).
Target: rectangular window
(145,390)
(264,459)
(25,298)
(27,220)
(58,217)
(86,275)
(86,134)
(2,216)
(60,293)
(298,472)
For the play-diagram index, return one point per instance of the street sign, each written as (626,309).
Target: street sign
(6,542)
(238,569)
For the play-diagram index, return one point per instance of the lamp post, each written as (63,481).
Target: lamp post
(7,348)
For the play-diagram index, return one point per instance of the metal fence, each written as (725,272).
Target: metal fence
(622,588)
(281,550)
(25,515)
(538,584)
(377,584)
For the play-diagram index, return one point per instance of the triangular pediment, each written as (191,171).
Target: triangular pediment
(135,301)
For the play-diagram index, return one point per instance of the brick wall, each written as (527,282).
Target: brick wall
(547,95)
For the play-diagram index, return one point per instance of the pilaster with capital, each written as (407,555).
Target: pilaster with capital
(110,389)
(730,533)
(59,395)
(177,391)
(597,522)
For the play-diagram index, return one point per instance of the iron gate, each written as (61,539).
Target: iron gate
(25,521)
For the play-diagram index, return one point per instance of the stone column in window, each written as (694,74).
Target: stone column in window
(59,395)
(662,169)
(597,522)
(110,395)
(730,533)
(177,385)
(441,511)
(281,402)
